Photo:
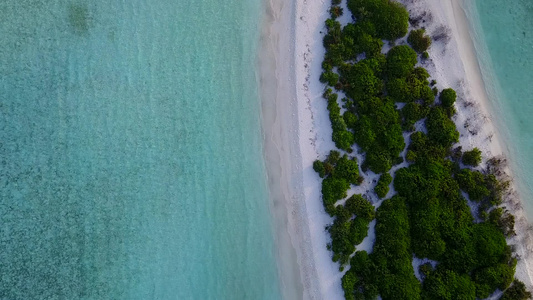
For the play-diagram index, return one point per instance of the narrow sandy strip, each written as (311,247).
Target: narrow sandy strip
(282,68)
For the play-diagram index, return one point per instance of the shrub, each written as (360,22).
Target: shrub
(444,284)
(503,220)
(358,230)
(400,61)
(440,128)
(488,279)
(347,169)
(473,183)
(348,283)
(329,78)
(472,157)
(343,139)
(341,243)
(382,188)
(360,207)
(334,189)
(318,166)
(350,119)
(419,40)
(448,97)
(335,11)
(517,291)
(390,18)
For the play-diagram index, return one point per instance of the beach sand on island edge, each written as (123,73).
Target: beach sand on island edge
(291,51)
(276,60)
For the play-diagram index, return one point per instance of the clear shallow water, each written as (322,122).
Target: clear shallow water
(502,30)
(130,152)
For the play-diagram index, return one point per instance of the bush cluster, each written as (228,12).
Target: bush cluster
(472,157)
(382,188)
(350,227)
(389,18)
(419,40)
(338,173)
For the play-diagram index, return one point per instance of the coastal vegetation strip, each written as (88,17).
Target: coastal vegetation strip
(391,113)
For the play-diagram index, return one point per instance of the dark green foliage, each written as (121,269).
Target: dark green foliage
(360,207)
(334,189)
(413,87)
(503,220)
(329,77)
(392,252)
(360,278)
(447,98)
(448,285)
(411,113)
(400,61)
(472,157)
(360,81)
(490,278)
(390,18)
(358,231)
(517,291)
(489,244)
(336,2)
(347,232)
(419,40)
(335,11)
(378,132)
(425,269)
(473,183)
(382,188)
(350,119)
(440,128)
(339,171)
(360,37)
(347,169)
(349,280)
(318,166)
(342,138)
(425,55)
(341,243)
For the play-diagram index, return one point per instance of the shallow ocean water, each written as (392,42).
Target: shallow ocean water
(131,161)
(504,44)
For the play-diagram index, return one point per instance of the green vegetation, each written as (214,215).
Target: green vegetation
(382,188)
(347,232)
(389,18)
(517,291)
(419,40)
(428,217)
(472,157)
(339,172)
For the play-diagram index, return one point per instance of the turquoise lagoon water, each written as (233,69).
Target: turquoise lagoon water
(504,41)
(131,153)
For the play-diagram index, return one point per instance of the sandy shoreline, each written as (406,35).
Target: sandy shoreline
(297,129)
(298,274)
